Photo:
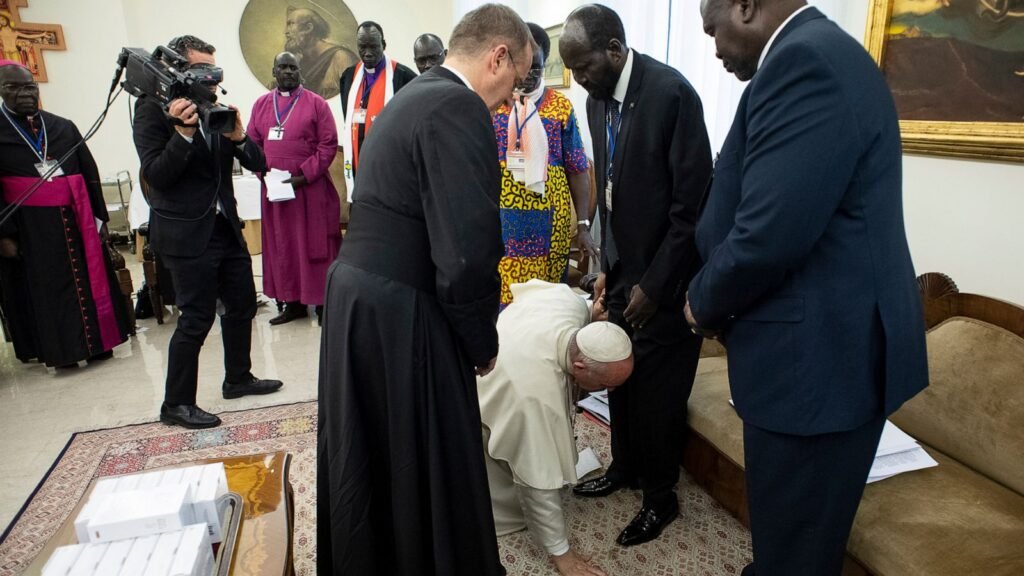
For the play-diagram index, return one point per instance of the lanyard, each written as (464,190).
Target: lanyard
(613,135)
(368,84)
(39,144)
(520,127)
(288,109)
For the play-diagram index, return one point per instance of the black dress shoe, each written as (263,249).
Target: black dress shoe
(598,487)
(293,311)
(187,415)
(102,356)
(748,570)
(252,386)
(647,525)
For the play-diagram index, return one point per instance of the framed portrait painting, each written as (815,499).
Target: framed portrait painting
(555,74)
(321,34)
(956,71)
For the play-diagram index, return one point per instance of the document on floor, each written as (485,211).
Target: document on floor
(598,407)
(277,190)
(587,463)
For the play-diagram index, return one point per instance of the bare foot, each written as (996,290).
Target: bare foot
(573,564)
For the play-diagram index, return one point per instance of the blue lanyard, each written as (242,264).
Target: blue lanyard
(39,143)
(613,136)
(368,84)
(520,127)
(288,109)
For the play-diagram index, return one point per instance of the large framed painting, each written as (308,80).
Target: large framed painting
(321,33)
(956,71)
(555,74)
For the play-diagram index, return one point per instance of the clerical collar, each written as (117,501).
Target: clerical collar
(376,66)
(289,92)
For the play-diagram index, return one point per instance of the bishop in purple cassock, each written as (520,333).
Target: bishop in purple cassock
(301,235)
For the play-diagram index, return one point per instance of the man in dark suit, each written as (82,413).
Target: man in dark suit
(653,162)
(808,277)
(195,229)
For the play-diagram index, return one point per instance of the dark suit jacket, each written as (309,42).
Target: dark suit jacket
(403,75)
(808,269)
(185,179)
(662,167)
(442,201)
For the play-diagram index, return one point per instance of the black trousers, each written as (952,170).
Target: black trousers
(649,410)
(224,272)
(803,493)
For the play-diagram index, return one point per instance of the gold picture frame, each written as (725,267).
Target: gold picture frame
(555,73)
(988,140)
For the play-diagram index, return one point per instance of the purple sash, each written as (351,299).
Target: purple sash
(71,191)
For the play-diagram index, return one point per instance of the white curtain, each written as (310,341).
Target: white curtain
(668,30)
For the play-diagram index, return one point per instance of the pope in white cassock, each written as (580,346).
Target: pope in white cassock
(548,345)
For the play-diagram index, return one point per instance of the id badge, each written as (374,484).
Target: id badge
(359,117)
(44,167)
(276,134)
(515,161)
(608,196)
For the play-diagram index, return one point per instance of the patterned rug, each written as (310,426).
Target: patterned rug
(706,541)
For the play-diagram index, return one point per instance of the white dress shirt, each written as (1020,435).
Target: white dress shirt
(775,35)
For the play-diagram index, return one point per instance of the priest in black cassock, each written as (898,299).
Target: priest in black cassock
(62,300)
(410,310)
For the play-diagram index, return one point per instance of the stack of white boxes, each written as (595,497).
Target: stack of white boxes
(151,524)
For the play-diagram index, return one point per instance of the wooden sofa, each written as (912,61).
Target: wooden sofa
(964,517)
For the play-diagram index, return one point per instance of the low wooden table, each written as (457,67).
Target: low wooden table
(264,545)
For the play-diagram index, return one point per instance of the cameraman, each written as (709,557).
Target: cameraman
(194,228)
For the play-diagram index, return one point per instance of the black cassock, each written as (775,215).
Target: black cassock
(410,309)
(48,291)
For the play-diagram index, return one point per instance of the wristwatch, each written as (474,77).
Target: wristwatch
(584,222)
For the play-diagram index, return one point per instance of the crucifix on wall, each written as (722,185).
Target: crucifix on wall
(24,41)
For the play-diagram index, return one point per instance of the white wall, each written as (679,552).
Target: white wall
(964,218)
(95,31)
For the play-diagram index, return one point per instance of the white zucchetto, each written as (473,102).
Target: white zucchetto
(604,342)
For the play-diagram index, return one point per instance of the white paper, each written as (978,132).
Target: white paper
(597,408)
(894,441)
(587,463)
(277,190)
(893,464)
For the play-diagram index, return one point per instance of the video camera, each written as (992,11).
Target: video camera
(166,76)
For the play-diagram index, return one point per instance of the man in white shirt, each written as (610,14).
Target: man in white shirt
(526,410)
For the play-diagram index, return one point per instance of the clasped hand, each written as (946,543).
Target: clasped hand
(640,308)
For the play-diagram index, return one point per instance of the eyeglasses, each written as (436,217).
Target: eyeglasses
(18,87)
(429,59)
(519,82)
